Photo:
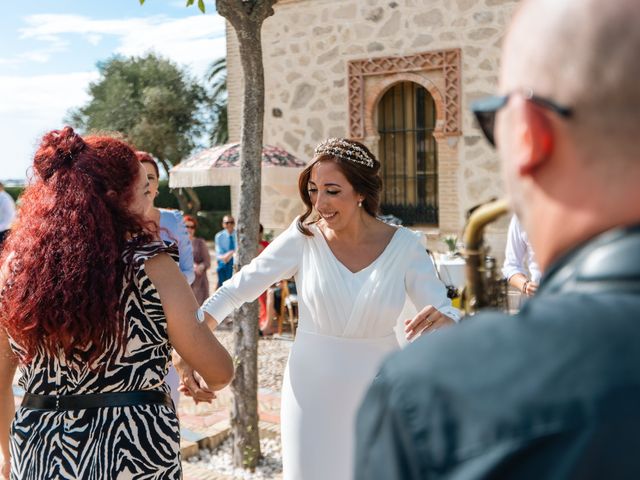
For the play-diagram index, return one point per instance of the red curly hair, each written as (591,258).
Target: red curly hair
(64,255)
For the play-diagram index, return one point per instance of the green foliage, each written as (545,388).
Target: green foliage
(201,5)
(210,223)
(451,241)
(157,106)
(15,192)
(218,99)
(216,203)
(211,198)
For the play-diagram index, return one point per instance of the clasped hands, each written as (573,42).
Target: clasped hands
(428,319)
(191,383)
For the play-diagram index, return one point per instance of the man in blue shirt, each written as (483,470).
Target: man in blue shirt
(225,248)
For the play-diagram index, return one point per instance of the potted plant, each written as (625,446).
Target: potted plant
(451,241)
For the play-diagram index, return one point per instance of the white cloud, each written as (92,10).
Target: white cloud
(94,38)
(53,45)
(32,106)
(29,94)
(196,40)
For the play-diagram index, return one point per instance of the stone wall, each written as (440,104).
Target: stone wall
(308,45)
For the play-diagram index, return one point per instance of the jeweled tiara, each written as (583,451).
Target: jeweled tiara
(345,150)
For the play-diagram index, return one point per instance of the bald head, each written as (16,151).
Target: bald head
(583,54)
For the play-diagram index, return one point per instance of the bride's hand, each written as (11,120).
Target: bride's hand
(427,320)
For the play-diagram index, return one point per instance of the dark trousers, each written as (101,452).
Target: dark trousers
(225,272)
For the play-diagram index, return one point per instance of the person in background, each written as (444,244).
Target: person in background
(171,229)
(201,260)
(267,312)
(552,392)
(262,243)
(7,213)
(520,267)
(170,223)
(226,242)
(91,305)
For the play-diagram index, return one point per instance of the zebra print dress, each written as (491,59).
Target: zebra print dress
(140,442)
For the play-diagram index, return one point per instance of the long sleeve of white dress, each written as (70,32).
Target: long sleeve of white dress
(423,286)
(279,260)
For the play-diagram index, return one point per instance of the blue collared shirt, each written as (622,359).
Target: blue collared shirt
(173,230)
(225,242)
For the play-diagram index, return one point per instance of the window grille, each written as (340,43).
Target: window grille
(408,154)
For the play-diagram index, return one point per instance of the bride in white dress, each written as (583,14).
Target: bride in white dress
(353,274)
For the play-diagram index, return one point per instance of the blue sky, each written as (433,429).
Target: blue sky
(49,50)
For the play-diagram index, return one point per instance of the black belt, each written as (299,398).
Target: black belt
(96,400)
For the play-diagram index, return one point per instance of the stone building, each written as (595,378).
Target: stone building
(398,76)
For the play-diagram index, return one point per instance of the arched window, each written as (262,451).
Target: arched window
(408,153)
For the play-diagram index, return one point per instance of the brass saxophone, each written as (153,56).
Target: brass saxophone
(485,287)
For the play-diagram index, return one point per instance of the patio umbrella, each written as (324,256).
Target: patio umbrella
(221,166)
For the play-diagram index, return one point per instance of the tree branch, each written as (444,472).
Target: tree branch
(241,12)
(263,10)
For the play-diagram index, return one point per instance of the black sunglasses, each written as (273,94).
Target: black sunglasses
(486,108)
(229,223)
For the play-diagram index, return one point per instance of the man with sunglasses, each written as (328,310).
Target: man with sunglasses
(226,242)
(554,391)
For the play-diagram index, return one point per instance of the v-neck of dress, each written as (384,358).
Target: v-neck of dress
(373,262)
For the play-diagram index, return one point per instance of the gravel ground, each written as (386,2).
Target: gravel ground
(220,461)
(272,357)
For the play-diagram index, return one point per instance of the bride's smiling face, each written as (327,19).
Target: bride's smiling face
(333,196)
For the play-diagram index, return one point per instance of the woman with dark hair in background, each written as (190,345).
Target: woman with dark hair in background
(353,273)
(201,260)
(90,306)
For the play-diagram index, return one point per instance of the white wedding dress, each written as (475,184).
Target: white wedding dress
(346,327)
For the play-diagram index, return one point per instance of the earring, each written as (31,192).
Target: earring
(360,203)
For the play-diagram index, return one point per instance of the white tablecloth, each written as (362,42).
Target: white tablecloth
(451,270)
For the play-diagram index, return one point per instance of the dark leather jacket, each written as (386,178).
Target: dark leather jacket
(552,393)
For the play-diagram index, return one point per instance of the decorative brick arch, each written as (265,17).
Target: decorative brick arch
(439,73)
(378,89)
(362,102)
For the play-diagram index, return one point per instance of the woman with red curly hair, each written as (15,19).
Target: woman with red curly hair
(90,307)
